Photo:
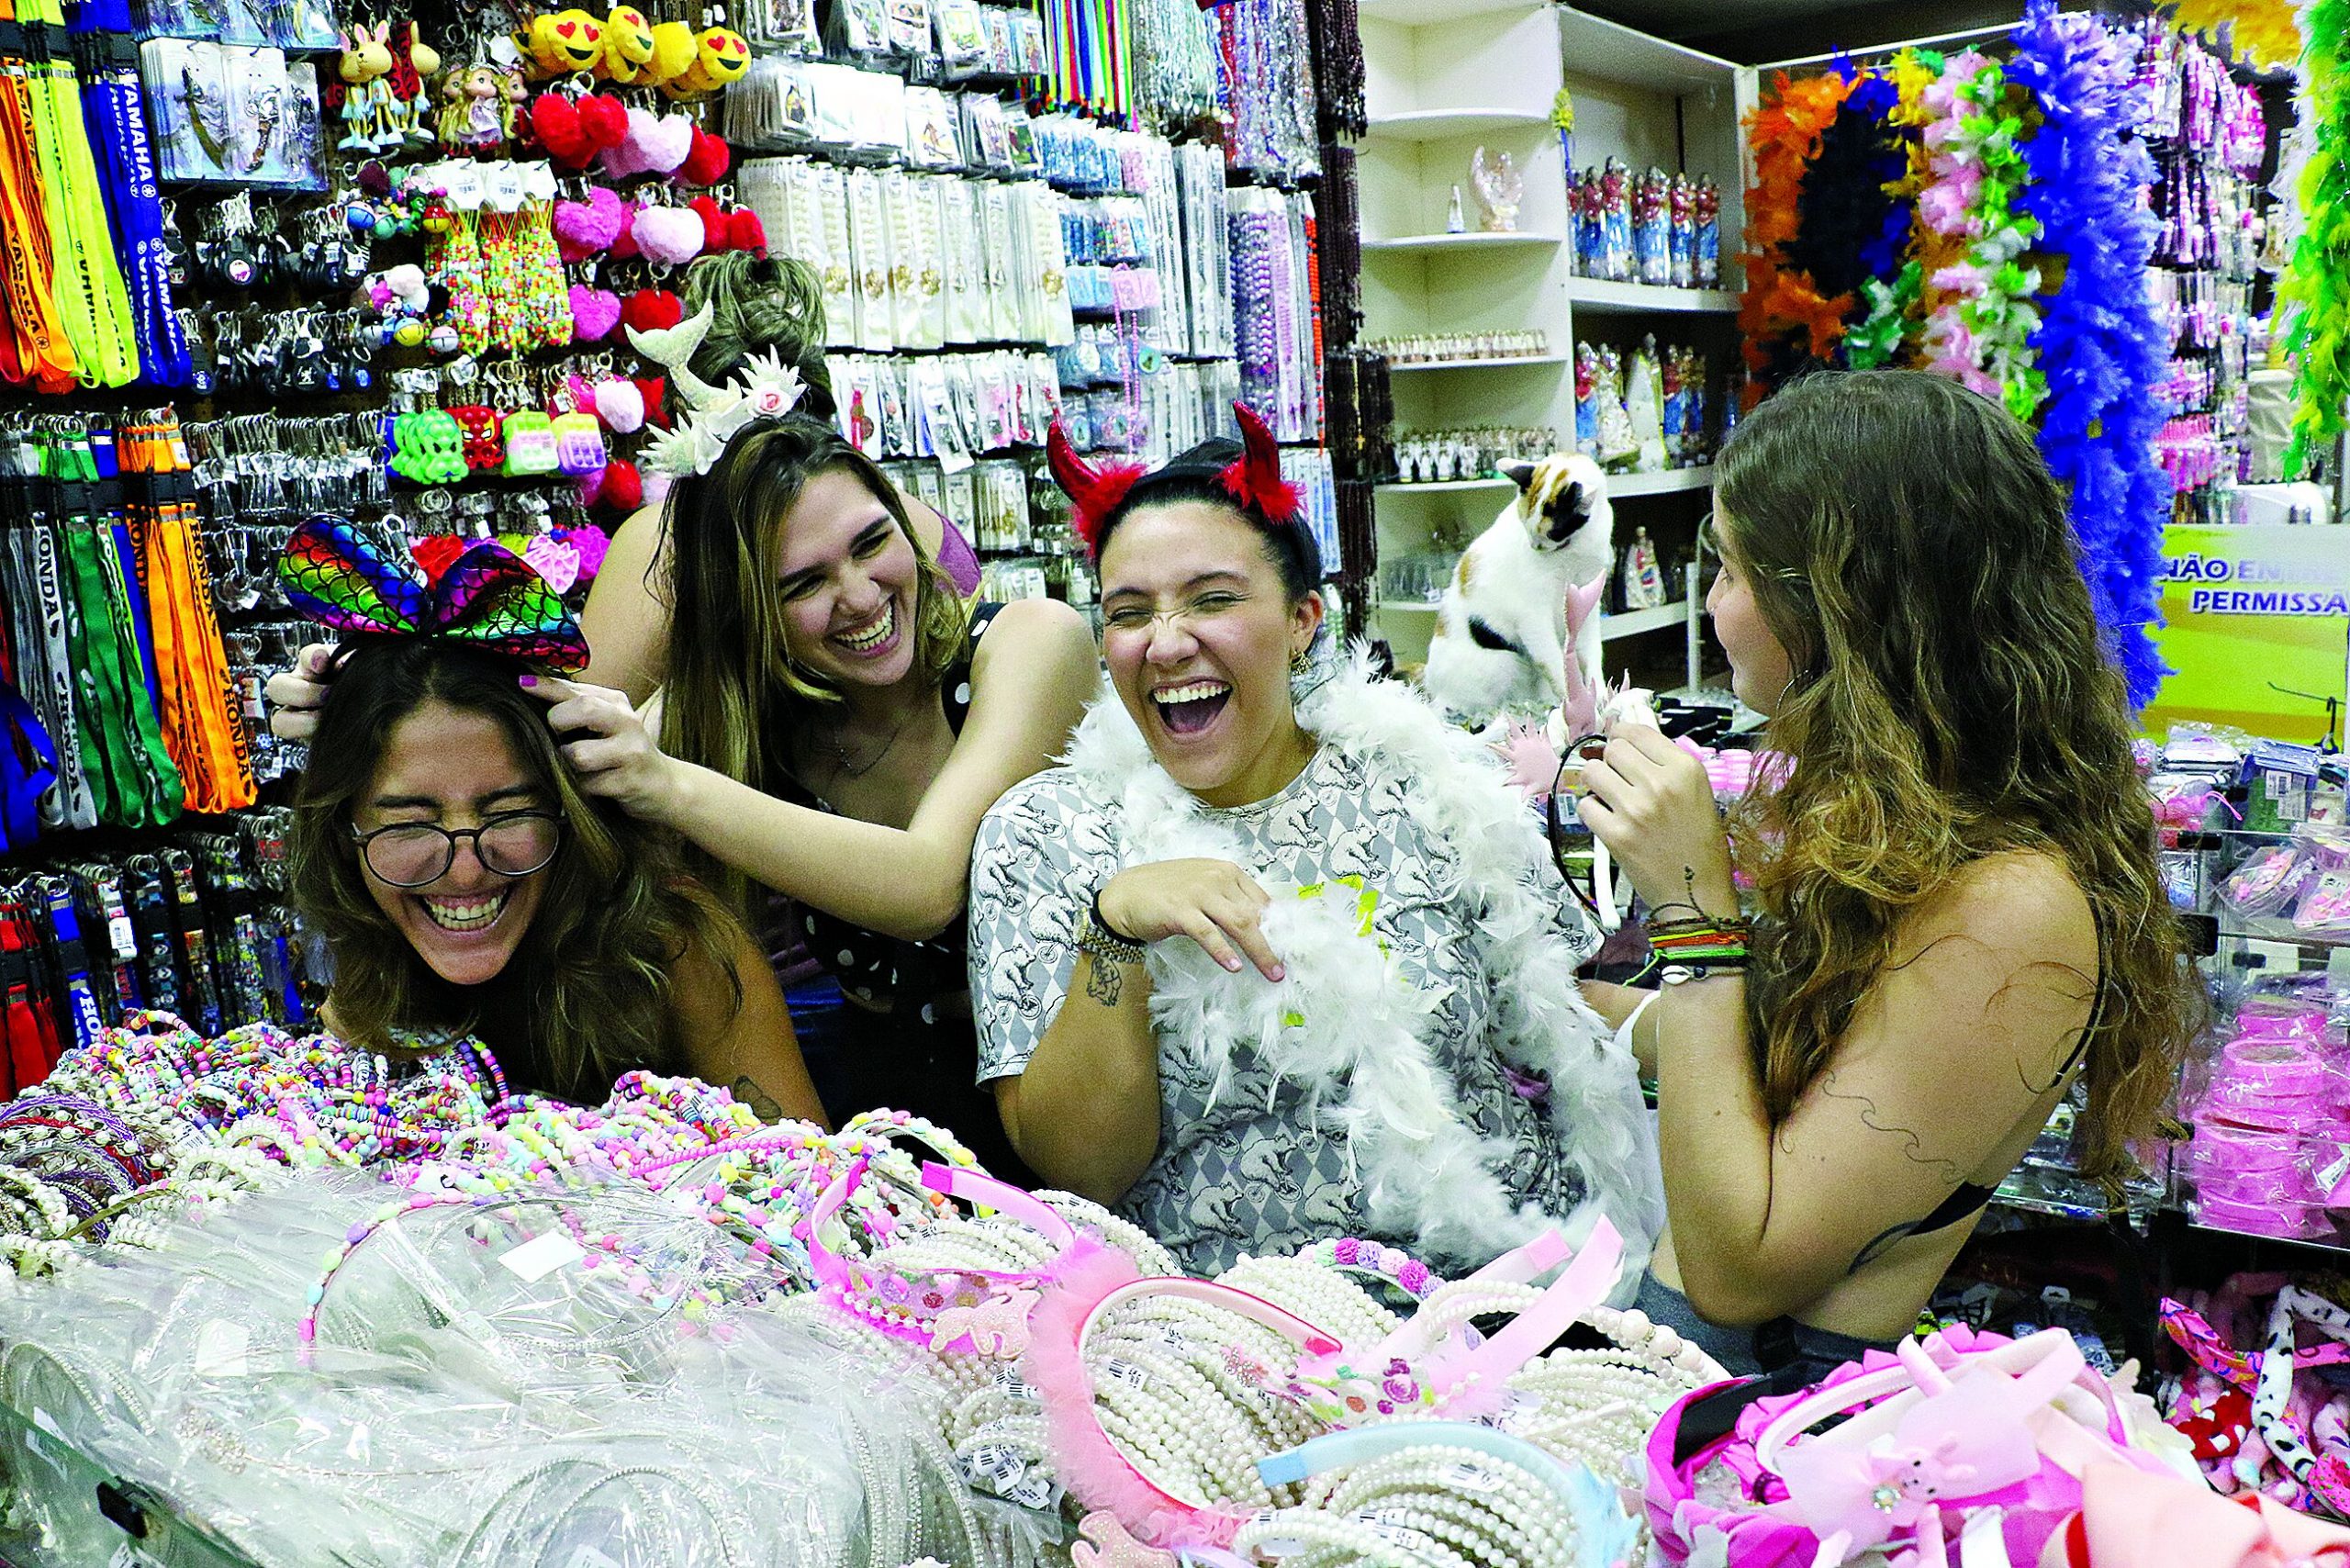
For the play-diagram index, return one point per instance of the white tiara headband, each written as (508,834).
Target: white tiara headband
(764,389)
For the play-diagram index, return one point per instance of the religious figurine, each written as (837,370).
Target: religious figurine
(1500,189)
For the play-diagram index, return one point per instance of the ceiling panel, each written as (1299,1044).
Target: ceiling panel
(1673,17)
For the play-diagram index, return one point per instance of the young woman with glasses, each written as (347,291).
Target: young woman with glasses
(464,886)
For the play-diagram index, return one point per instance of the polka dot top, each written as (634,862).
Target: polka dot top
(887,972)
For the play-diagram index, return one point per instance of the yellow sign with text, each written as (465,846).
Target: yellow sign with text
(2256,629)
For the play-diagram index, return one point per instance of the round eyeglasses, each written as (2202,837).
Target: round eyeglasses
(413,855)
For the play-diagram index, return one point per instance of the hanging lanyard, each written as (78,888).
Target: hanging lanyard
(193,941)
(104,887)
(92,300)
(151,917)
(45,355)
(28,771)
(113,107)
(73,960)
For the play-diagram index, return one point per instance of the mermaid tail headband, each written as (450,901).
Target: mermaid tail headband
(487,597)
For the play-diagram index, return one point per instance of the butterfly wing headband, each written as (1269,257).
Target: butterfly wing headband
(1253,479)
(487,597)
(765,388)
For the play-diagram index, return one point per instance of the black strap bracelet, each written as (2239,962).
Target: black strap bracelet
(1109,930)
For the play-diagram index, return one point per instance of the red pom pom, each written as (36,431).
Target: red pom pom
(603,119)
(655,388)
(554,120)
(650,309)
(622,489)
(624,246)
(713,222)
(708,161)
(436,552)
(745,232)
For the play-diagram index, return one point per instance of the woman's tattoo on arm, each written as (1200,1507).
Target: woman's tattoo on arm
(748,1093)
(1102,981)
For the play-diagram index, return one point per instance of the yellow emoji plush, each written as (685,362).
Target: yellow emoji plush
(565,42)
(674,50)
(627,44)
(721,57)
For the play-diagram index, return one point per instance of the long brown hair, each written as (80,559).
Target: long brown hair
(1952,698)
(732,697)
(588,994)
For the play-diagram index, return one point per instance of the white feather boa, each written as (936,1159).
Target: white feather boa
(1361,1052)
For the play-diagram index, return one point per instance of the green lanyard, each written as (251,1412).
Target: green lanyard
(92,303)
(136,784)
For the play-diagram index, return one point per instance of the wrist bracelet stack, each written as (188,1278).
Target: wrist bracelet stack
(1106,945)
(1700,948)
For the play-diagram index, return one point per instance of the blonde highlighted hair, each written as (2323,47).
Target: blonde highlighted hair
(1953,699)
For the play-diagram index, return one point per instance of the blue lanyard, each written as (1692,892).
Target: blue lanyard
(28,769)
(116,119)
(74,961)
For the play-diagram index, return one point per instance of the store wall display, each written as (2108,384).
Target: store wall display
(2068,230)
(1655,227)
(1646,411)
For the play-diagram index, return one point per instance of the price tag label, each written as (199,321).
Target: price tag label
(1127,1372)
(1470,1477)
(543,1255)
(1009,1379)
(1039,1491)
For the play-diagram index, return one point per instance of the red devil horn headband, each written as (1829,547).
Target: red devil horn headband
(1095,492)
(1254,477)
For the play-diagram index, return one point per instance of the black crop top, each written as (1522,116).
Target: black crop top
(887,972)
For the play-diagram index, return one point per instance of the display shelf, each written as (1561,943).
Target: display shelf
(1632,623)
(1441,125)
(1474,239)
(2333,1248)
(1593,46)
(1448,487)
(2242,928)
(1600,296)
(1667,483)
(1394,369)
(1411,606)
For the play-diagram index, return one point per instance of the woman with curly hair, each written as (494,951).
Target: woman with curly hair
(464,886)
(1956,912)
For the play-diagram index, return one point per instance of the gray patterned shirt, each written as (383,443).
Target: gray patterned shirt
(1243,1168)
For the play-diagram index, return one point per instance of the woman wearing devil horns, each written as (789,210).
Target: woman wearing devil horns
(462,883)
(1274,955)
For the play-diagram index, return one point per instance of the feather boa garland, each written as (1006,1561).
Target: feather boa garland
(2315,293)
(1850,225)
(2260,32)
(1347,1027)
(1981,335)
(2100,341)
(1784,318)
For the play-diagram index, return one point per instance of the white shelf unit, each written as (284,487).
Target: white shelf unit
(1444,77)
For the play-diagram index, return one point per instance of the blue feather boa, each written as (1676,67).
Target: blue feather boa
(2100,341)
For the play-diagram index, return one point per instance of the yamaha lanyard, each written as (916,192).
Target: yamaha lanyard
(116,119)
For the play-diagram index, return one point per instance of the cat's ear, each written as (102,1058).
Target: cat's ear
(1519,474)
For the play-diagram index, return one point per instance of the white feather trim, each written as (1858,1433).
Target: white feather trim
(1359,1048)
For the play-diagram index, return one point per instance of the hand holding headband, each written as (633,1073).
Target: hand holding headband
(487,597)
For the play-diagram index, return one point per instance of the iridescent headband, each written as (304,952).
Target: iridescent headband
(1253,479)
(484,596)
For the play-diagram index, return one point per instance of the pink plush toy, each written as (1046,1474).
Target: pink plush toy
(670,236)
(594,313)
(583,229)
(655,144)
(619,404)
